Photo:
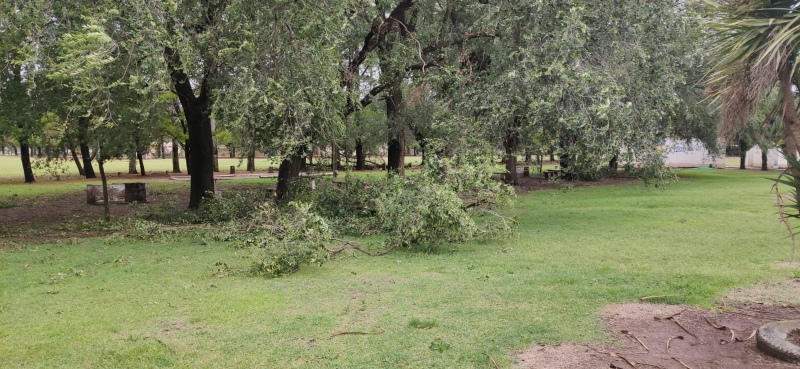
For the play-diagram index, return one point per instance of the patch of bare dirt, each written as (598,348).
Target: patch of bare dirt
(669,336)
(68,216)
(536,183)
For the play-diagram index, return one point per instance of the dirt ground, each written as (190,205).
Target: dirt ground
(646,335)
(67,216)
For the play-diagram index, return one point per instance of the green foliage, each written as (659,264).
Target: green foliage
(283,239)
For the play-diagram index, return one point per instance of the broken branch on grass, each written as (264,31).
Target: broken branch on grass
(348,245)
(356,333)
(655,297)
(493,362)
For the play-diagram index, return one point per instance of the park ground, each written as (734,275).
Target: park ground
(608,275)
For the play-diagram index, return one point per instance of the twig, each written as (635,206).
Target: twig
(795,307)
(720,327)
(493,362)
(631,363)
(669,341)
(682,327)
(351,246)
(749,337)
(671,316)
(637,340)
(655,297)
(682,363)
(355,333)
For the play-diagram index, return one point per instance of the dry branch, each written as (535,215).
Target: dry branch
(682,363)
(355,333)
(669,341)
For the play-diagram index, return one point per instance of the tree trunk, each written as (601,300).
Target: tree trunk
(161,152)
(361,157)
(26,162)
(510,144)
(132,162)
(77,161)
(397,135)
(176,163)
(334,156)
(141,162)
(251,161)
(87,161)
(613,164)
(288,171)
(764,158)
(83,132)
(742,154)
(197,111)
(552,154)
(422,144)
(187,156)
(106,208)
(791,128)
(232,152)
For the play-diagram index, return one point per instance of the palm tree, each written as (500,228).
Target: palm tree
(756,44)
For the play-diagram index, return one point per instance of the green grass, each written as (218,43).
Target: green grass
(191,304)
(11,167)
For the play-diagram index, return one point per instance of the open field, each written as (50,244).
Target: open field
(11,167)
(191,303)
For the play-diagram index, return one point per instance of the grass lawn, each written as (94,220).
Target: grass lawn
(191,304)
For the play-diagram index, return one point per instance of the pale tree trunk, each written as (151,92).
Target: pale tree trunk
(132,163)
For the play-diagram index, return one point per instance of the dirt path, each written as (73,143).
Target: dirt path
(669,336)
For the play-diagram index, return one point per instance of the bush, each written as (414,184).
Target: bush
(283,239)
(421,211)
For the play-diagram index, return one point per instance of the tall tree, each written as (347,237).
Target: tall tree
(756,47)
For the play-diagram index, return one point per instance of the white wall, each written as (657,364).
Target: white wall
(774,159)
(689,154)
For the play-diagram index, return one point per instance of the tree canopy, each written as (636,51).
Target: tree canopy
(592,83)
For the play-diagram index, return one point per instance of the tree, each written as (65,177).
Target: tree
(755,43)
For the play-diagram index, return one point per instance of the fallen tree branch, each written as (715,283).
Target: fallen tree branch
(671,316)
(682,363)
(720,327)
(655,297)
(749,337)
(669,341)
(493,362)
(356,333)
(348,245)
(682,327)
